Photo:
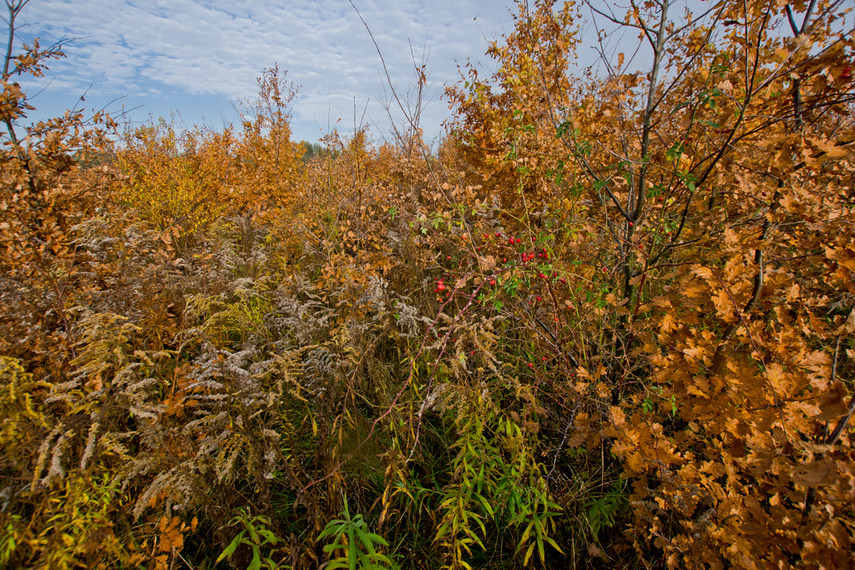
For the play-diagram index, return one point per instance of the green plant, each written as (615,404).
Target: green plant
(532,509)
(601,512)
(467,498)
(9,539)
(353,536)
(496,481)
(255,535)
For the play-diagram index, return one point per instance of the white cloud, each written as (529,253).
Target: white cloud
(202,48)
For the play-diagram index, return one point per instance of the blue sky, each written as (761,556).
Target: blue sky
(198,56)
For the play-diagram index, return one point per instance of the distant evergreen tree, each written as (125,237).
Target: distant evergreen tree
(314,150)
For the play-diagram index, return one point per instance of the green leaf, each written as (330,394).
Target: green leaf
(369,538)
(528,554)
(442,531)
(526,534)
(252,533)
(335,526)
(487,506)
(230,549)
(554,545)
(255,563)
(269,537)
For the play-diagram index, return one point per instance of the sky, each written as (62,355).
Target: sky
(144,59)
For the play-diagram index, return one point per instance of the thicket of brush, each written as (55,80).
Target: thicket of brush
(608,322)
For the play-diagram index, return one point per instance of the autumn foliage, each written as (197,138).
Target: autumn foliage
(609,321)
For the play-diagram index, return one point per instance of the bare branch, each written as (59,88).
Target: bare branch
(407,115)
(792,21)
(613,19)
(643,26)
(14,9)
(658,50)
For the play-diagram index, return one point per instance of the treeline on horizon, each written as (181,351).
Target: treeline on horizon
(607,322)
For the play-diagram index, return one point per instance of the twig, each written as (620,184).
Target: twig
(564,439)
